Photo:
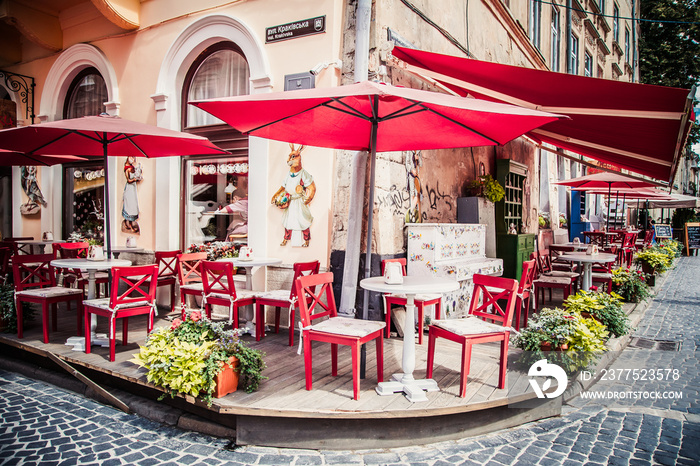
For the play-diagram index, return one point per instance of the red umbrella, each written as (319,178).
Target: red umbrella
(376,118)
(103,136)
(11,158)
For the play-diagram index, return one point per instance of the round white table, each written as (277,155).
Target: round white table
(39,242)
(255,262)
(411,286)
(120,249)
(587,260)
(91,267)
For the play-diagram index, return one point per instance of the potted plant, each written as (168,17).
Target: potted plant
(603,307)
(653,260)
(215,250)
(8,312)
(548,329)
(486,186)
(630,284)
(189,357)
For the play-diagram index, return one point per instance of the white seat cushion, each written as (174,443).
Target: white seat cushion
(103,303)
(601,276)
(50,292)
(552,280)
(193,287)
(562,273)
(279,295)
(469,325)
(347,326)
(240,294)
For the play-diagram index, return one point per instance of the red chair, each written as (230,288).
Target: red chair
(551,279)
(220,289)
(19,247)
(76,278)
(398,299)
(316,301)
(138,299)
(167,272)
(190,276)
(525,290)
(35,282)
(280,299)
(488,290)
(601,272)
(626,252)
(646,242)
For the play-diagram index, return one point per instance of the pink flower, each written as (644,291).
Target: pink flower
(176,324)
(195,316)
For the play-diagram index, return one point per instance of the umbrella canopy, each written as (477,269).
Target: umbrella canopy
(405,119)
(376,118)
(103,136)
(11,158)
(605,180)
(676,201)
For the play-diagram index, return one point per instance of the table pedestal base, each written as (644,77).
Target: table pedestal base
(412,388)
(78,343)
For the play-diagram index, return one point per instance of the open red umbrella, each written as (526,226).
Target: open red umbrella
(376,118)
(103,136)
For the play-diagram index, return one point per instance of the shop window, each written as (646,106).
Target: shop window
(215,206)
(216,200)
(83,184)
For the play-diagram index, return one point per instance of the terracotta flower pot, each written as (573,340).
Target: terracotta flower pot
(651,276)
(226,381)
(547,346)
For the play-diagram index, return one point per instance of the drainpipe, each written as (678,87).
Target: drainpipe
(568,36)
(351,266)
(634,41)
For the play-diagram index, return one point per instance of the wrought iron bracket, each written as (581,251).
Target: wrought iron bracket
(24,86)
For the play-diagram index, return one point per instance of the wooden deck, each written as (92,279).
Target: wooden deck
(283,402)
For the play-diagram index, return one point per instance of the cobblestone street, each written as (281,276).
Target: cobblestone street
(41,424)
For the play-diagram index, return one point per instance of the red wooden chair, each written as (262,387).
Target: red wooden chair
(280,299)
(189,276)
(555,251)
(35,282)
(75,278)
(220,289)
(398,299)
(601,272)
(316,301)
(167,272)
(525,290)
(473,329)
(626,252)
(19,247)
(551,279)
(646,242)
(138,299)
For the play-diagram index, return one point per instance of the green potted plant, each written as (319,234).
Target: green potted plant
(653,260)
(630,284)
(189,357)
(549,329)
(486,186)
(8,313)
(603,307)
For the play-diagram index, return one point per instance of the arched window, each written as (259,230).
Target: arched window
(83,183)
(220,71)
(215,204)
(86,95)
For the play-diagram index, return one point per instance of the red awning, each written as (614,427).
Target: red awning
(638,127)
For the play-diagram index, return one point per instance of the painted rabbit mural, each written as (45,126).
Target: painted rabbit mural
(294,196)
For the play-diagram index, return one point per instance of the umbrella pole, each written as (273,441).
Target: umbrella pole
(607,218)
(108,242)
(370,216)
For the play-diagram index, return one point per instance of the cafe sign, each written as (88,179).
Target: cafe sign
(305,27)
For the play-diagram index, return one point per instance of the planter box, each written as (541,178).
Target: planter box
(651,276)
(227,379)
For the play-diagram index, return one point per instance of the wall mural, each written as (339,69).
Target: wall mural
(130,203)
(293,197)
(32,190)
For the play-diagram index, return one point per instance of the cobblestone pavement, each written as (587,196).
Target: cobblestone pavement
(41,424)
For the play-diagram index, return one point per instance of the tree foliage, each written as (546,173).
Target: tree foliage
(669,45)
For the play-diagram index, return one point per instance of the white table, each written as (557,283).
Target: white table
(39,242)
(404,382)
(120,249)
(587,260)
(91,267)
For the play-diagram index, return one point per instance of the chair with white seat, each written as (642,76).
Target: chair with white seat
(133,293)
(280,299)
(473,329)
(35,282)
(167,272)
(220,289)
(399,299)
(316,301)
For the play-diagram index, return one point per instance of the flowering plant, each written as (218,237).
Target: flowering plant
(215,250)
(486,186)
(603,307)
(630,284)
(187,356)
(655,257)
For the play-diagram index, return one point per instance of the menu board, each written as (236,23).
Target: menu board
(692,236)
(663,231)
